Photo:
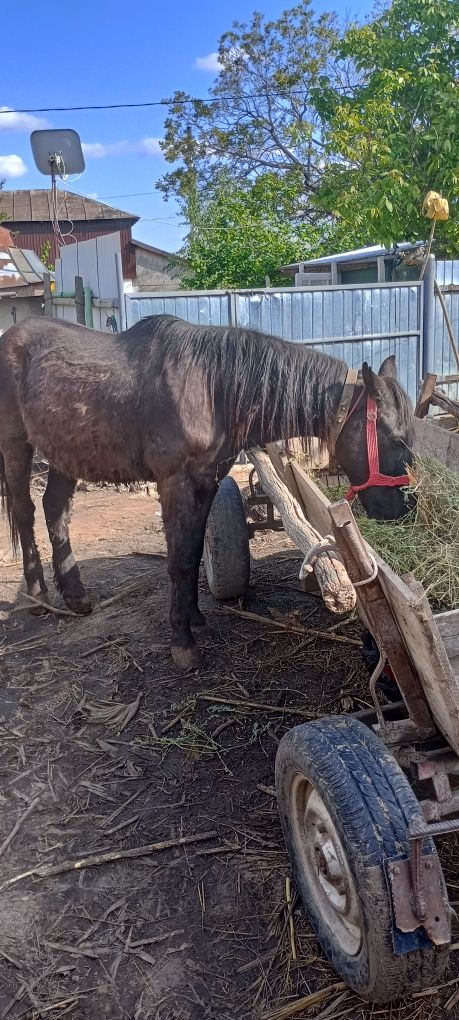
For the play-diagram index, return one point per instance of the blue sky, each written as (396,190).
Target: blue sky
(107,52)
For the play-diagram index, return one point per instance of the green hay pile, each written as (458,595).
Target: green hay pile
(426,542)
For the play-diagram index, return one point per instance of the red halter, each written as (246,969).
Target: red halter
(375,476)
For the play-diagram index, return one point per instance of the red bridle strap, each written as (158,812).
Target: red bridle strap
(375,477)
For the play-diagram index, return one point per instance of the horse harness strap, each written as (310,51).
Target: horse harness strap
(345,402)
(375,478)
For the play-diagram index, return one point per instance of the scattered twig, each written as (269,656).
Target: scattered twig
(291,925)
(292,1008)
(18,824)
(103,644)
(157,938)
(46,871)
(279,710)
(110,910)
(44,605)
(176,719)
(293,628)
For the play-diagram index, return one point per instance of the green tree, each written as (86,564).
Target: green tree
(395,135)
(262,119)
(240,234)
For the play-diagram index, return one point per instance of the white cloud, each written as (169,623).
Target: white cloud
(97,150)
(12,166)
(210,63)
(10,120)
(151,146)
(100,150)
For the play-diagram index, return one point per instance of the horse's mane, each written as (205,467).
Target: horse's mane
(289,389)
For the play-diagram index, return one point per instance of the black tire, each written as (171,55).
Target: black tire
(226,543)
(339,763)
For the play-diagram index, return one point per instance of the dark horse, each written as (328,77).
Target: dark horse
(173,403)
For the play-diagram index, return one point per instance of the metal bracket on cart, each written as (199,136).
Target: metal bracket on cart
(271,523)
(417,889)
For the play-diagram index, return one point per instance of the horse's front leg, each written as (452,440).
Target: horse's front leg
(185,506)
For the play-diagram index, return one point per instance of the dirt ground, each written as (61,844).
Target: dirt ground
(106,748)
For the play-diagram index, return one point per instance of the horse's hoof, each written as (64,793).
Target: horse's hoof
(186,658)
(80,604)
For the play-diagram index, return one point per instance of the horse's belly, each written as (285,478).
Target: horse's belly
(81,444)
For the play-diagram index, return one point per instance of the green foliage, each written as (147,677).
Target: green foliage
(240,235)
(396,135)
(45,255)
(327,142)
(269,70)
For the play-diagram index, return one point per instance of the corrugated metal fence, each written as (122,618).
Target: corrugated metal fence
(442,360)
(353,322)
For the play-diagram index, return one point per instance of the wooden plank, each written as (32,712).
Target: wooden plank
(427,387)
(337,591)
(427,652)
(432,441)
(47,296)
(422,639)
(80,300)
(315,504)
(377,612)
(448,627)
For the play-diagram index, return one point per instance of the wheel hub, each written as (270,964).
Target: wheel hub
(324,861)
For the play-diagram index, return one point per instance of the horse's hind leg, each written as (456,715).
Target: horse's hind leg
(57,504)
(18,456)
(185,505)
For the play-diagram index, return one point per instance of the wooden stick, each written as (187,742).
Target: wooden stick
(337,590)
(292,1008)
(291,925)
(440,399)
(294,628)
(257,704)
(45,871)
(18,824)
(45,605)
(449,327)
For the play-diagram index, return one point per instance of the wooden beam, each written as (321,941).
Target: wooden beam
(427,387)
(48,298)
(337,591)
(79,300)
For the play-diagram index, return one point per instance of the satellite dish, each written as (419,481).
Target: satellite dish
(57,152)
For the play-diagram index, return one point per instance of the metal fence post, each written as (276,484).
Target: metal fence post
(428,316)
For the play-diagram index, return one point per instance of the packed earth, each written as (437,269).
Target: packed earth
(161,786)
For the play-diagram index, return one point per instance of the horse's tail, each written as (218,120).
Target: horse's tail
(7,504)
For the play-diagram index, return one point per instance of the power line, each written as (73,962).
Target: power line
(158,102)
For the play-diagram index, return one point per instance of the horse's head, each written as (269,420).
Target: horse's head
(393,412)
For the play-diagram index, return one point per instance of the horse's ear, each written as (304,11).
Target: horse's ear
(388,368)
(374,384)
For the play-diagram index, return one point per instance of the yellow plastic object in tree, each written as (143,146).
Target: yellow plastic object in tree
(435,207)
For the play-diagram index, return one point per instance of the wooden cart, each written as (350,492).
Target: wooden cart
(361,797)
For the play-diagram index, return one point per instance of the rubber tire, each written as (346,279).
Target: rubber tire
(371,805)
(226,543)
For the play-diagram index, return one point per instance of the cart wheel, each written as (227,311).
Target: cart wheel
(345,806)
(226,543)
